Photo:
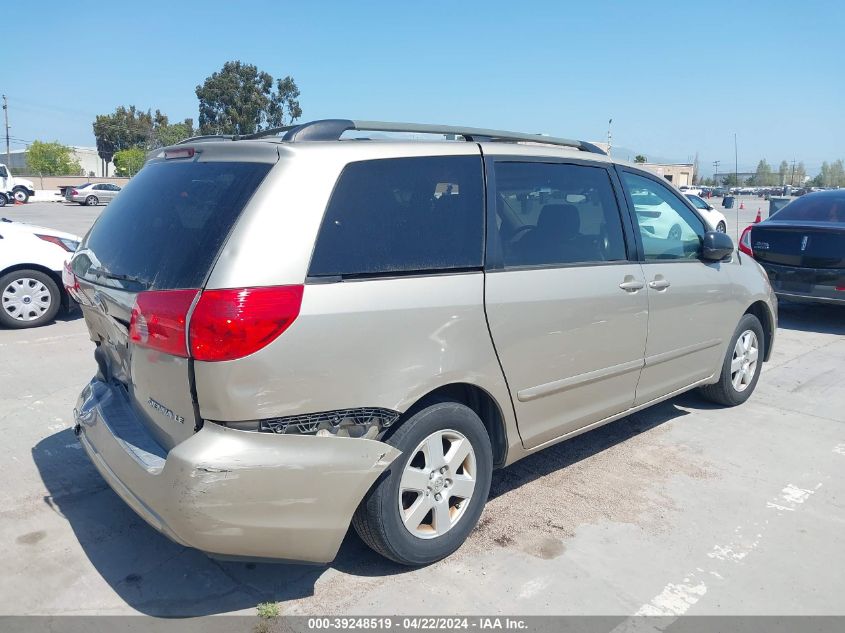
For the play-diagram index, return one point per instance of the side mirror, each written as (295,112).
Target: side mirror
(710,207)
(716,246)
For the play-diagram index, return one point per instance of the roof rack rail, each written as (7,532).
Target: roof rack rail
(332,129)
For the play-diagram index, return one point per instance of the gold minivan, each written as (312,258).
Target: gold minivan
(335,324)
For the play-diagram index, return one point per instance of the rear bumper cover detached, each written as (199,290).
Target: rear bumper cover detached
(227,492)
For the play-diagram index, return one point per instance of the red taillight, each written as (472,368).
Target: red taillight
(840,288)
(745,242)
(74,192)
(69,280)
(235,322)
(158,320)
(183,152)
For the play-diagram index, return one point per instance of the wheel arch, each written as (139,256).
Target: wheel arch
(764,314)
(481,402)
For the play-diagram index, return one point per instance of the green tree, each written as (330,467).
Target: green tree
(783,170)
(128,162)
(825,177)
(123,129)
(837,174)
(800,174)
(52,159)
(240,99)
(639,158)
(170,134)
(729,180)
(763,175)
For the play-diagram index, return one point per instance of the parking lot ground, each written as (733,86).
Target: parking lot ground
(683,508)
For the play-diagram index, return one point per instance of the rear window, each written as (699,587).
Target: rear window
(403,215)
(168,224)
(814,209)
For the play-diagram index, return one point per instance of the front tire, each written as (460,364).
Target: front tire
(721,227)
(91,201)
(28,298)
(425,505)
(21,195)
(742,365)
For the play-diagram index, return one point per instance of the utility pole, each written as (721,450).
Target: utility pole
(716,172)
(609,123)
(792,177)
(6,116)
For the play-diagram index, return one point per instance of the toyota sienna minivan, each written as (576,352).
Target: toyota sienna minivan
(307,328)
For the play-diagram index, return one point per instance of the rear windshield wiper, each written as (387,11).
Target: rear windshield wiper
(101,272)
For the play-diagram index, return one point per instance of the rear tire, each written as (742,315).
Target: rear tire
(413,514)
(741,366)
(28,298)
(91,201)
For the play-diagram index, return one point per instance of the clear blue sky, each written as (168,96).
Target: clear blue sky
(676,77)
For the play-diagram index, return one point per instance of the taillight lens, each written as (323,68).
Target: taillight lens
(159,318)
(74,192)
(745,242)
(235,322)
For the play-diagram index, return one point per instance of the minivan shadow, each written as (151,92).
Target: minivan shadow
(158,577)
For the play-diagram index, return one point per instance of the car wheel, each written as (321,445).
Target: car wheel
(721,227)
(674,233)
(28,298)
(425,505)
(91,201)
(742,365)
(3,199)
(21,195)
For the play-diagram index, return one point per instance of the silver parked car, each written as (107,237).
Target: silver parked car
(92,194)
(294,333)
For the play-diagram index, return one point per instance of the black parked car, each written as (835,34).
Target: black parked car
(802,248)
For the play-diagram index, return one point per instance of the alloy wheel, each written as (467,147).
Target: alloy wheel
(744,360)
(437,484)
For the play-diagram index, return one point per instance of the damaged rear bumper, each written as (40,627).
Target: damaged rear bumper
(228,492)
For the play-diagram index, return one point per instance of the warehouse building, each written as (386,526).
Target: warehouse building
(92,164)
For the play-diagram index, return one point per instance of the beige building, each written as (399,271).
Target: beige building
(87,157)
(678,174)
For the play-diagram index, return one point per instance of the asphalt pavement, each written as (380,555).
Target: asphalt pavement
(685,508)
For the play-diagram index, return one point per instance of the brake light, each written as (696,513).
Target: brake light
(70,280)
(159,318)
(745,242)
(235,322)
(74,192)
(183,152)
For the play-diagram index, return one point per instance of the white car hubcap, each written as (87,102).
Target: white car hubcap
(26,299)
(437,484)
(744,361)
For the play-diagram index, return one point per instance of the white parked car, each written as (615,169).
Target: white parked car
(714,218)
(696,191)
(31,262)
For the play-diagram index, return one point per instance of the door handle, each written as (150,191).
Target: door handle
(632,285)
(659,283)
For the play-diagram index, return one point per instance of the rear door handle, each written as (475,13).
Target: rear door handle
(632,285)
(659,283)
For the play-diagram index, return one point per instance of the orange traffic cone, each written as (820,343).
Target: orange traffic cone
(18,202)
(741,205)
(759,217)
